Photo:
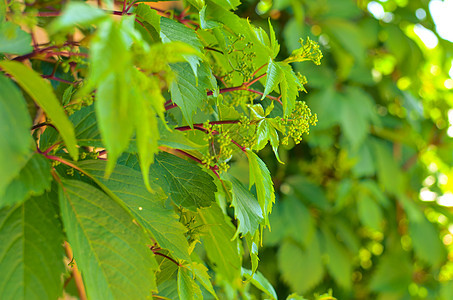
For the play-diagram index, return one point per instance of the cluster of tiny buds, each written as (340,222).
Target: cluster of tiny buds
(77,105)
(220,140)
(298,123)
(309,51)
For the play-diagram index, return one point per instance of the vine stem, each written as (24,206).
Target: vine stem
(76,274)
(167,257)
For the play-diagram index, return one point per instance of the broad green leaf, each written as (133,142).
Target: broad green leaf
(171,31)
(299,224)
(41,91)
(14,40)
(202,276)
(289,88)
(426,241)
(148,103)
(301,269)
(176,139)
(309,192)
(252,243)
(222,251)
(338,261)
(185,92)
(388,171)
(275,47)
(357,112)
(108,246)
(246,208)
(111,73)
(259,281)
(231,4)
(33,180)
(187,288)
(348,36)
(369,211)
(280,74)
(14,122)
(274,76)
(148,208)
(148,15)
(260,176)
(185,183)
(393,273)
(77,14)
(31,251)
(149,25)
(204,22)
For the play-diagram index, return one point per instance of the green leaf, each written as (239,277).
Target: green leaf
(370,212)
(259,281)
(33,180)
(391,279)
(171,31)
(299,223)
(232,4)
(148,208)
(185,183)
(275,47)
(388,171)
(111,73)
(77,14)
(222,251)
(14,122)
(338,260)
(14,40)
(281,74)
(207,24)
(202,276)
(41,91)
(176,139)
(187,288)
(246,208)
(289,87)
(274,76)
(260,176)
(356,113)
(148,103)
(108,246)
(426,241)
(348,35)
(31,252)
(148,15)
(185,92)
(301,269)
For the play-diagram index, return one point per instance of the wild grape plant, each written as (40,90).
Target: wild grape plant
(119,122)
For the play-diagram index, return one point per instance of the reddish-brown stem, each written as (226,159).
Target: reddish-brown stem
(124,7)
(267,96)
(46,152)
(213,49)
(255,80)
(167,257)
(52,77)
(257,70)
(36,126)
(240,147)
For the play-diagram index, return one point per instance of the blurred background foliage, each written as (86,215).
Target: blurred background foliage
(364,203)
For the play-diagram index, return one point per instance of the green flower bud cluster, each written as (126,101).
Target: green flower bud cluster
(221,147)
(77,105)
(298,122)
(309,50)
